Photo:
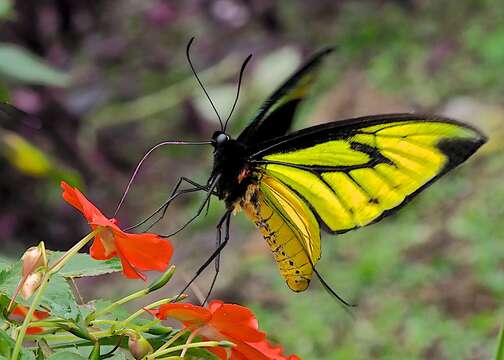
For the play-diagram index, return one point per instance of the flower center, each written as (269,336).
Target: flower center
(107,239)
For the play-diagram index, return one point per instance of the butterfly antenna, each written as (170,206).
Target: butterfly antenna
(140,163)
(188,55)
(242,70)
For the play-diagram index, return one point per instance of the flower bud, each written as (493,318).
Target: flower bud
(138,345)
(226,344)
(159,283)
(34,258)
(31,284)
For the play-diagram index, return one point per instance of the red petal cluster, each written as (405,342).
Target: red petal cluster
(220,321)
(138,252)
(20,311)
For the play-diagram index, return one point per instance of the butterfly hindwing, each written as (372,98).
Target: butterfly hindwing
(290,229)
(355,172)
(275,116)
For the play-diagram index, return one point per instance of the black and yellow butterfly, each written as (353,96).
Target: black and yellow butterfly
(337,176)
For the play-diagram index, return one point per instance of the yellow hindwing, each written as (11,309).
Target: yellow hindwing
(290,229)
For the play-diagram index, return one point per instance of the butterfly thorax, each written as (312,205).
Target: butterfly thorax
(230,164)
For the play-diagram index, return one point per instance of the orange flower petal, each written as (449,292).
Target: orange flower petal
(137,251)
(235,322)
(189,314)
(261,350)
(21,311)
(144,251)
(129,271)
(75,198)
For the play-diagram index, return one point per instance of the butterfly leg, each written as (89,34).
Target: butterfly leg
(174,194)
(210,191)
(217,258)
(225,219)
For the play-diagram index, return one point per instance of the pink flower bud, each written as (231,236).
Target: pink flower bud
(31,284)
(34,258)
(138,345)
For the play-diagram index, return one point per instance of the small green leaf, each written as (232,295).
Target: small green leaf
(7,345)
(26,157)
(66,355)
(19,64)
(83,265)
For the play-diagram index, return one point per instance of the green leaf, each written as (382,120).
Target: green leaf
(58,297)
(23,155)
(6,9)
(5,262)
(19,64)
(4,92)
(83,265)
(66,355)
(7,345)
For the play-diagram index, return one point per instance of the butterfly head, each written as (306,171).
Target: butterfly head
(220,138)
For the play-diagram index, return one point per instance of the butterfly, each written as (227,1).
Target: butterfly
(333,177)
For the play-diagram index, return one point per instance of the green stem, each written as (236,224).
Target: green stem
(119,302)
(188,346)
(499,354)
(69,337)
(169,342)
(147,307)
(190,338)
(40,292)
(48,323)
(29,315)
(73,250)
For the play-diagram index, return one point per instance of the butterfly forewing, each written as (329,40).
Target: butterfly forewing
(354,173)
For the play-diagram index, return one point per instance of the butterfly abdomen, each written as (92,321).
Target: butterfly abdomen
(289,254)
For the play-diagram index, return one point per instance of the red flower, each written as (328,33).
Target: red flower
(221,321)
(20,312)
(138,252)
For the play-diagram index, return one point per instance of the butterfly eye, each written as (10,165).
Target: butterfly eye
(222,138)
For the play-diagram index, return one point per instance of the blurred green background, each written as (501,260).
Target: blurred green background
(105,80)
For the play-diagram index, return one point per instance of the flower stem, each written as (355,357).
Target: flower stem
(190,338)
(119,302)
(40,292)
(169,342)
(73,250)
(147,307)
(59,338)
(29,315)
(188,346)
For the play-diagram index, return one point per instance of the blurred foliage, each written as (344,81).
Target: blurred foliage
(6,10)
(428,281)
(23,66)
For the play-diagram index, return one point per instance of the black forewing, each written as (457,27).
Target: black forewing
(275,116)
